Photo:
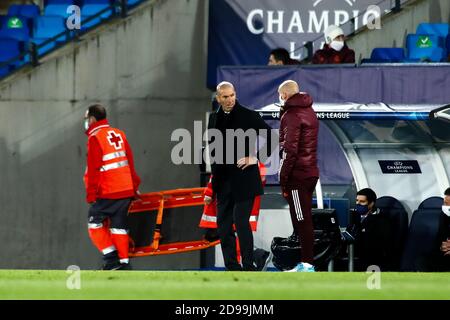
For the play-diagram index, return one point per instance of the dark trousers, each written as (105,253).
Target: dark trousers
(299,198)
(229,212)
(114,209)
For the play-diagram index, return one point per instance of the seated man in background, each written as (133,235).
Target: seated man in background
(281,57)
(335,49)
(373,231)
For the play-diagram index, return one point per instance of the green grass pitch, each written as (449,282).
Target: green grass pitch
(174,285)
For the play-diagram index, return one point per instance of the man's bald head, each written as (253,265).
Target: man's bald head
(226,96)
(287,89)
(224,85)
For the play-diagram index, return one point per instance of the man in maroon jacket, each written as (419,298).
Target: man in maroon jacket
(335,50)
(299,173)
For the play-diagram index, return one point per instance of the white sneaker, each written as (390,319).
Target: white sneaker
(302,267)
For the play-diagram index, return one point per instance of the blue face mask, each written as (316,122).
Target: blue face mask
(362,209)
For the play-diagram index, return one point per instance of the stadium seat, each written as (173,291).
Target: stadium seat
(91,8)
(14,10)
(425,48)
(9,48)
(15,27)
(27,10)
(424,237)
(46,28)
(438,29)
(431,203)
(4,71)
(388,55)
(399,219)
(58,7)
(447,44)
(133,2)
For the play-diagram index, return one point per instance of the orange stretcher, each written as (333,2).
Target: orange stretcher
(157,203)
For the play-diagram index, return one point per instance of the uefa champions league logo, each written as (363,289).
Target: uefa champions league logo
(302,20)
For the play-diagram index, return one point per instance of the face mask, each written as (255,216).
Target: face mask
(86,124)
(337,45)
(281,101)
(362,209)
(446,210)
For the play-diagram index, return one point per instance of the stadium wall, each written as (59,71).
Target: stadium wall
(395,27)
(149,69)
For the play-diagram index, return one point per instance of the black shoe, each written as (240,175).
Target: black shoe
(112,266)
(125,266)
(211,235)
(111,261)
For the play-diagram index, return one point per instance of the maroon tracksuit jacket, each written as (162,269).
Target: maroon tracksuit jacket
(298,140)
(298,167)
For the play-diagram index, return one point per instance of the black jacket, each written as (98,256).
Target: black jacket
(246,184)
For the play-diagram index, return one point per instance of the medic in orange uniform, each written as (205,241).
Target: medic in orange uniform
(111,184)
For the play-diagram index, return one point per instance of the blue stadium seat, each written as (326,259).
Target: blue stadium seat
(438,29)
(26,10)
(426,232)
(15,27)
(441,30)
(133,2)
(2,20)
(398,218)
(425,48)
(424,239)
(387,55)
(46,28)
(58,7)
(447,44)
(4,71)
(93,7)
(14,10)
(9,48)
(431,203)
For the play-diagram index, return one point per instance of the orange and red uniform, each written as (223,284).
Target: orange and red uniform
(111,181)
(110,172)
